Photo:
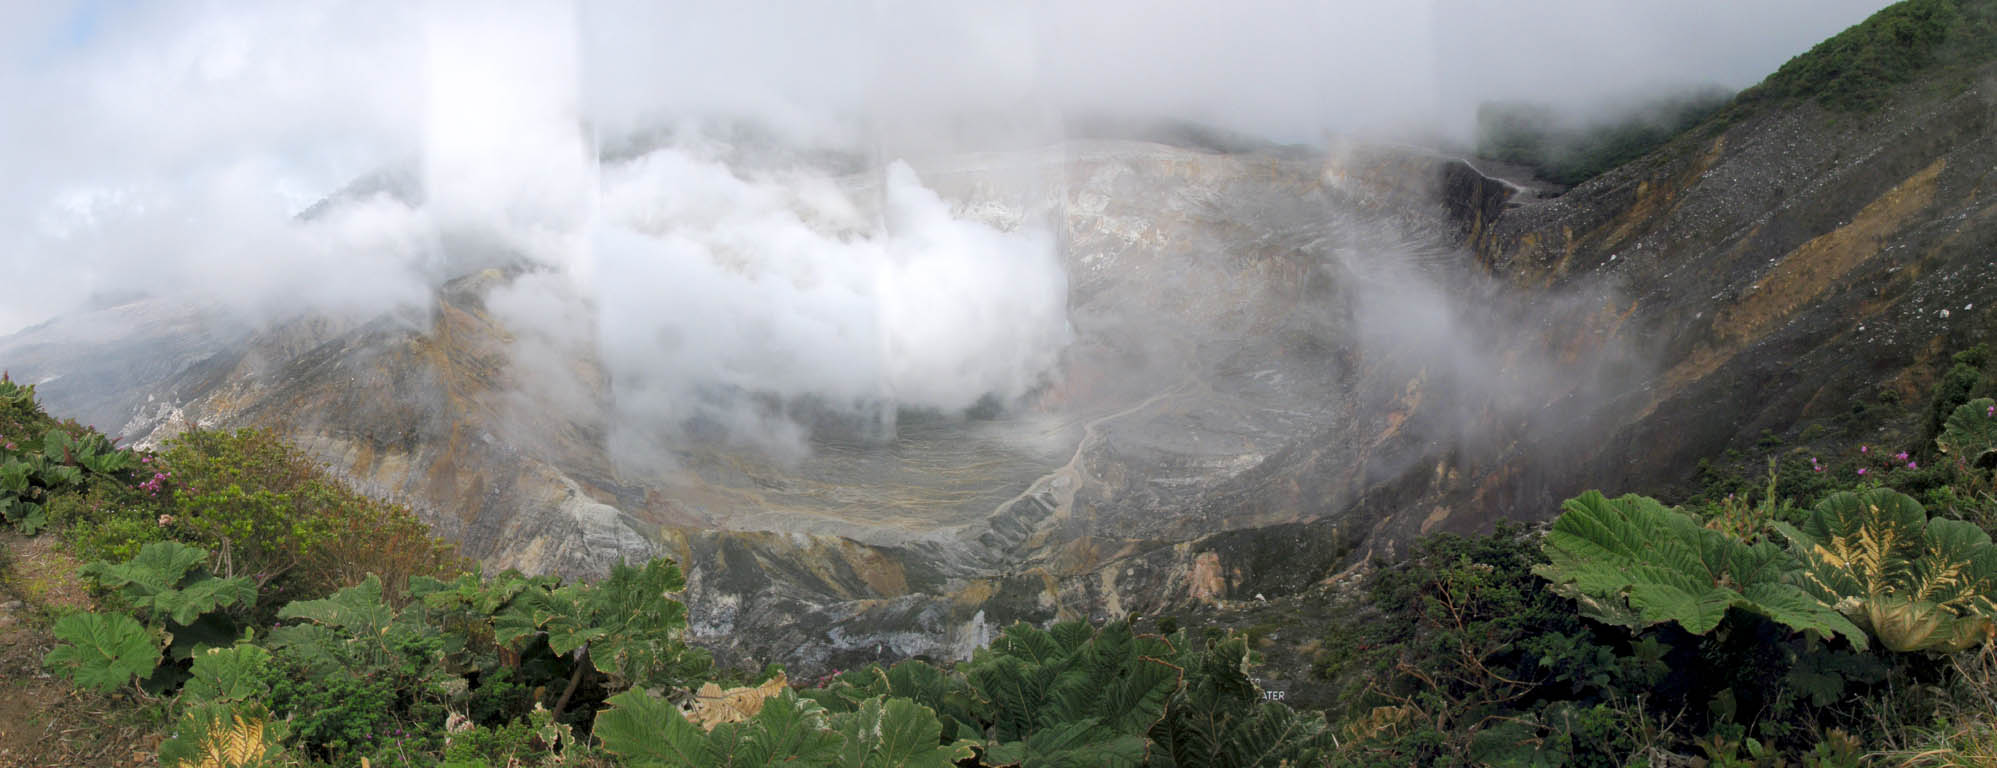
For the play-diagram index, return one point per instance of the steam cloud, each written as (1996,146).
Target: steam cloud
(167,150)
(791,289)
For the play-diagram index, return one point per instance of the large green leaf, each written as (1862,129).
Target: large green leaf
(475,592)
(515,625)
(1014,691)
(317,649)
(356,626)
(1080,744)
(648,731)
(1912,582)
(358,610)
(630,623)
(1071,693)
(947,694)
(645,730)
(642,624)
(787,729)
(14,475)
(1120,678)
(62,475)
(26,515)
(109,463)
(159,566)
(895,733)
(237,673)
(55,443)
(1633,562)
(476,613)
(165,581)
(1219,718)
(569,620)
(183,606)
(103,651)
(1971,431)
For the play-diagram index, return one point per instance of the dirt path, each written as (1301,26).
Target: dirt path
(1066,480)
(44,721)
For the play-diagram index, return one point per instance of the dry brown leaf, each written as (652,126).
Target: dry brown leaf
(713,706)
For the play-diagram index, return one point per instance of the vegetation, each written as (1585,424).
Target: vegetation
(1631,562)
(39,460)
(1567,151)
(1915,583)
(230,592)
(1856,70)
(1833,620)
(1837,620)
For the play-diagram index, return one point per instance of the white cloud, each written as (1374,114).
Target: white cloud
(716,293)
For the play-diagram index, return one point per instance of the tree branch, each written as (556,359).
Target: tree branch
(575,679)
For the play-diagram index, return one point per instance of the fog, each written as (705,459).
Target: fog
(767,230)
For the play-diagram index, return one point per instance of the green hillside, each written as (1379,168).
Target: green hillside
(1857,70)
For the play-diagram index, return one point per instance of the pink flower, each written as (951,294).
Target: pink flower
(1912,465)
(1864,449)
(1861,470)
(1901,456)
(1819,469)
(145,459)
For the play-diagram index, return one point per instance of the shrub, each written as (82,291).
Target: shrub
(167,585)
(278,515)
(626,628)
(358,672)
(100,526)
(42,460)
(1461,636)
(1969,436)
(1963,380)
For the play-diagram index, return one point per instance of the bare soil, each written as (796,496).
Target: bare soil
(43,720)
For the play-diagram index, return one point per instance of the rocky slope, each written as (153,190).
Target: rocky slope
(1783,264)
